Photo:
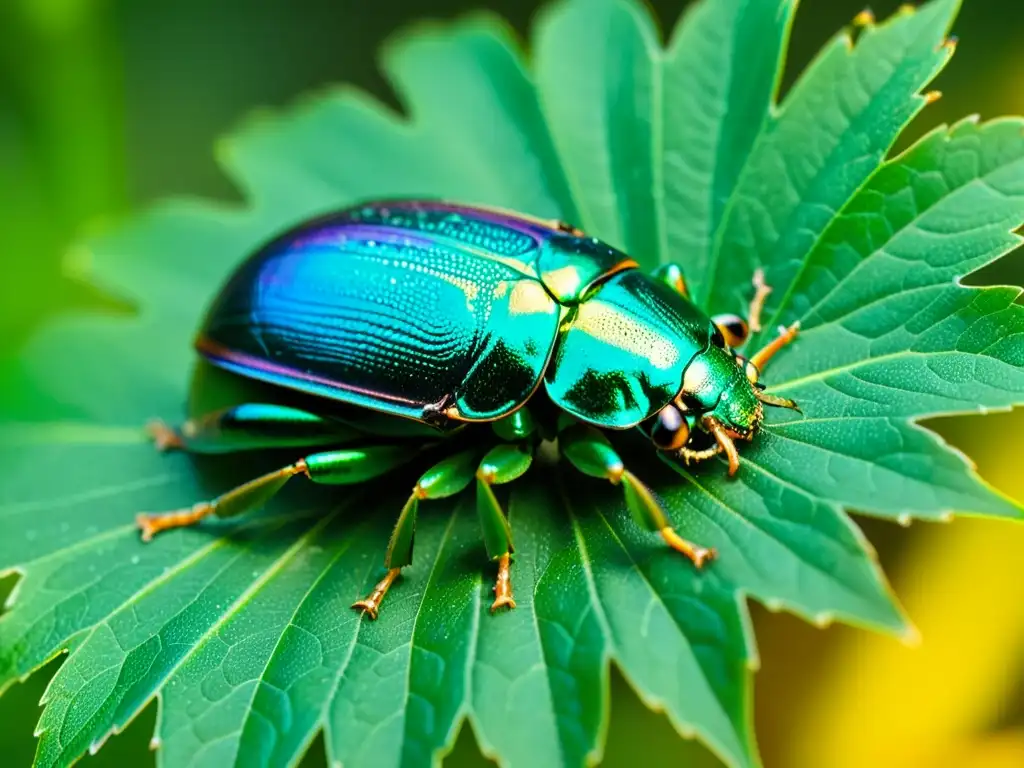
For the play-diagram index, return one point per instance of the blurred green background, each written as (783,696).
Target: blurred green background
(107,105)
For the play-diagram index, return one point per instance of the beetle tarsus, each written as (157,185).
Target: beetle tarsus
(786,336)
(696,554)
(327,467)
(503,585)
(164,437)
(761,292)
(718,431)
(370,605)
(150,525)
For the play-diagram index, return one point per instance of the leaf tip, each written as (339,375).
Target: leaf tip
(911,636)
(864,19)
(823,620)
(433,34)
(932,96)
(78,261)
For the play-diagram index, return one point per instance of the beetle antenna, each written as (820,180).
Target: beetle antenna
(715,427)
(778,402)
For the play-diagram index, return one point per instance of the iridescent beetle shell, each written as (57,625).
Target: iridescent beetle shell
(393,324)
(447,314)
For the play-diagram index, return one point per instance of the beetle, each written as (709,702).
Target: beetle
(401,325)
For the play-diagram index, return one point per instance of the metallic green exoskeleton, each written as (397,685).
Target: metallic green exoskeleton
(391,329)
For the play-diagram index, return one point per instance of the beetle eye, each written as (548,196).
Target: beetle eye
(716,337)
(670,431)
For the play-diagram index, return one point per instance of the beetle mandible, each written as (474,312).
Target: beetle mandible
(389,328)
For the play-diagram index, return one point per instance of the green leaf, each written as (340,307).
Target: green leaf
(597,83)
(821,144)
(242,630)
(889,335)
(721,70)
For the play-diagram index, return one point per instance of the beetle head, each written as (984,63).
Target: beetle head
(721,394)
(717,385)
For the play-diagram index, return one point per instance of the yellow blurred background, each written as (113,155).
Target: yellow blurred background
(106,105)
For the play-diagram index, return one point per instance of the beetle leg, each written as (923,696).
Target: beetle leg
(248,427)
(164,436)
(446,478)
(672,276)
(516,426)
(591,453)
(370,605)
(344,467)
(761,291)
(236,501)
(734,328)
(502,464)
(725,441)
(786,336)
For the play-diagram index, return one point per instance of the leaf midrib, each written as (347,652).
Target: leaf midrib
(323,720)
(872,361)
(982,181)
(83,635)
(609,650)
(431,580)
(709,739)
(753,525)
(861,547)
(775,118)
(240,602)
(888,470)
(328,566)
(87,633)
(538,638)
(93,494)
(69,433)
